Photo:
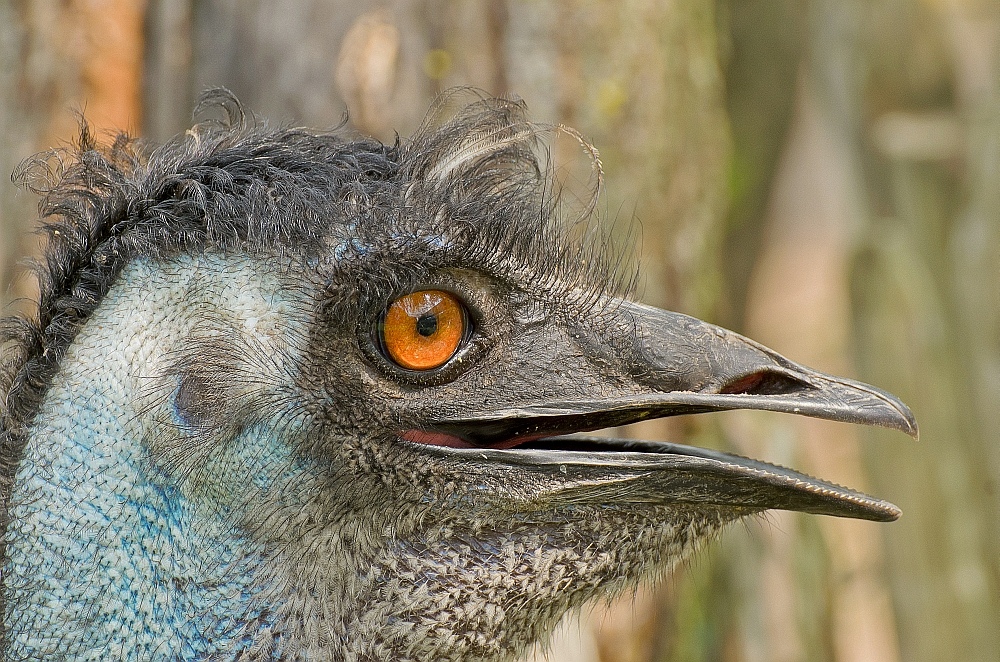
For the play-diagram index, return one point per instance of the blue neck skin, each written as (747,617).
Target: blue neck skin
(109,557)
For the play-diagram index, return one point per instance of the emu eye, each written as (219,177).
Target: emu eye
(424,329)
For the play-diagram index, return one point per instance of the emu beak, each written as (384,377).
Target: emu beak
(679,365)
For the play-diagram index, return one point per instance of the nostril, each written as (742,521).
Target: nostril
(764,382)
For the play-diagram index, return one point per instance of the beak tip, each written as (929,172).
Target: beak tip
(888,512)
(903,420)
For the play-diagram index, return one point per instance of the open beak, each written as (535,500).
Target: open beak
(675,365)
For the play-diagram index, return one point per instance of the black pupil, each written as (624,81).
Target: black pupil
(427,324)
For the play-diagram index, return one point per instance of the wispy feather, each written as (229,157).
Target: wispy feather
(481,145)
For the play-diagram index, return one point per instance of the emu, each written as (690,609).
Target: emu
(288,395)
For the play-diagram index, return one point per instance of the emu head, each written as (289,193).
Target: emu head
(292,396)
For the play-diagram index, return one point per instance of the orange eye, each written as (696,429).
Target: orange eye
(422,330)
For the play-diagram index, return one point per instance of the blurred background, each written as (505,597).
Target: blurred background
(822,175)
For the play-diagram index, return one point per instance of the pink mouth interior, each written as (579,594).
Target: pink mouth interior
(451,441)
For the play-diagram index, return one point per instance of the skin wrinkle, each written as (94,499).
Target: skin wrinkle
(201,442)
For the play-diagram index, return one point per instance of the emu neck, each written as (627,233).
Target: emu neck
(109,555)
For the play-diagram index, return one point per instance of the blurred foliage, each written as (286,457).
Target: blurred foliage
(821,175)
